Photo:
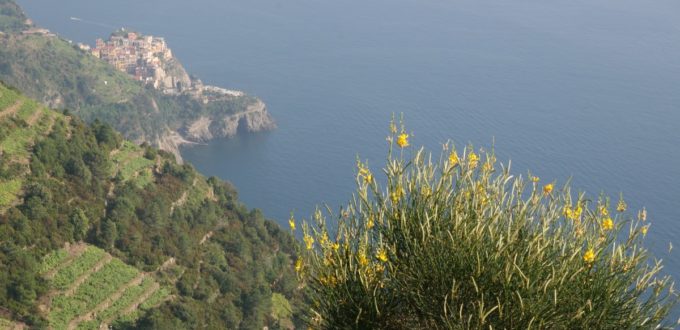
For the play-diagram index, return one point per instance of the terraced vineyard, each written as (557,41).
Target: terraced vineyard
(9,325)
(91,289)
(22,122)
(131,165)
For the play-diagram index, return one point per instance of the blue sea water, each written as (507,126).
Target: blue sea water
(582,89)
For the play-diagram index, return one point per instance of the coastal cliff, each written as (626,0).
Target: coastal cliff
(254,119)
(131,81)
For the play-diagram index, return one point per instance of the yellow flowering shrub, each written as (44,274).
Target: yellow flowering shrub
(446,243)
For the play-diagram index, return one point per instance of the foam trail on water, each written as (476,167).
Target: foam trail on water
(80,20)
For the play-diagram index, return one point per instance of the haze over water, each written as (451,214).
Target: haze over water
(582,88)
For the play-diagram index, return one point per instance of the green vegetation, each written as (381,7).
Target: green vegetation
(98,287)
(12,18)
(73,182)
(53,260)
(155,299)
(116,284)
(8,97)
(59,74)
(126,299)
(460,244)
(67,275)
(9,191)
(131,166)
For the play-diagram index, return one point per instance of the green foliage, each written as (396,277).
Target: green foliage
(459,243)
(53,260)
(9,190)
(129,296)
(156,298)
(12,18)
(84,263)
(98,287)
(7,97)
(68,193)
(281,310)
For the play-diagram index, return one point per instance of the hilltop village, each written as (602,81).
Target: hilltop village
(149,59)
(140,56)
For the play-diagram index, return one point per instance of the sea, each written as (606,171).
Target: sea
(580,90)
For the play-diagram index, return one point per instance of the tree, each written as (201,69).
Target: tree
(80,223)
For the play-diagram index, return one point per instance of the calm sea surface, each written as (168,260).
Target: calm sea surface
(588,89)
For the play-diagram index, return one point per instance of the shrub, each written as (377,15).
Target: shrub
(460,243)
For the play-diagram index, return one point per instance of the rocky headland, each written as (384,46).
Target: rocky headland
(148,59)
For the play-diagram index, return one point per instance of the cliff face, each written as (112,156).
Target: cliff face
(256,118)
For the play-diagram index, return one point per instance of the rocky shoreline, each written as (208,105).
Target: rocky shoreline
(255,119)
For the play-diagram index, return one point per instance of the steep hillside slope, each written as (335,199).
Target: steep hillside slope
(63,181)
(62,76)
(90,289)
(12,18)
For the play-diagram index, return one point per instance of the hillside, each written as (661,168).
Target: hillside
(62,76)
(12,18)
(63,181)
(90,288)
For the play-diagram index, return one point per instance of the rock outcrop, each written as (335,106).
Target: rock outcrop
(256,118)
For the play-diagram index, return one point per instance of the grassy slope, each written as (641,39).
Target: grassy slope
(102,297)
(64,181)
(17,136)
(12,17)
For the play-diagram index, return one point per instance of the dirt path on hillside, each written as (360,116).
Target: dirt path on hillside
(34,117)
(50,126)
(89,316)
(12,109)
(182,199)
(133,306)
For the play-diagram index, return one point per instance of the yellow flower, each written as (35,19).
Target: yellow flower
(370,223)
(573,214)
(291,222)
(329,280)
(381,255)
(425,190)
(363,261)
(298,265)
(576,215)
(335,246)
(402,140)
(396,195)
(547,189)
(324,239)
(607,224)
(589,256)
(309,241)
(621,207)
(644,230)
(535,179)
(604,211)
(487,167)
(473,159)
(453,158)
(365,173)
(379,268)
